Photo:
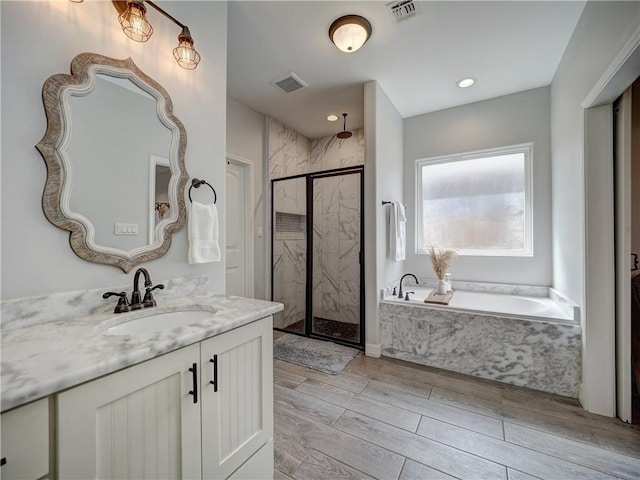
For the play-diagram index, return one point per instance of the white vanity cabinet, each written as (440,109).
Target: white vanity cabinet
(237,402)
(25,441)
(164,418)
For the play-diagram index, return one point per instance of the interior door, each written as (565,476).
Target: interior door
(236,234)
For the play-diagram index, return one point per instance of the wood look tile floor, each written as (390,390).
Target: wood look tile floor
(388,419)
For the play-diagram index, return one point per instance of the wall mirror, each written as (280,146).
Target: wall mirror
(115,161)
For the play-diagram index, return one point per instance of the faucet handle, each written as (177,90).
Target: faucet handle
(148,300)
(406,297)
(123,305)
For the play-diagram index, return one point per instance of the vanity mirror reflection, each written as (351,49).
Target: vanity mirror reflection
(115,161)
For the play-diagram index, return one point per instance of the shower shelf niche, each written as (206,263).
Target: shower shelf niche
(290,226)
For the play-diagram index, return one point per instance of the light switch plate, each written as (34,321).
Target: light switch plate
(126,229)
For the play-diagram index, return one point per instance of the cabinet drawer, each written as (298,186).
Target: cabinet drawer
(25,441)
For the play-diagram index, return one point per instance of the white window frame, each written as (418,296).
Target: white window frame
(527,149)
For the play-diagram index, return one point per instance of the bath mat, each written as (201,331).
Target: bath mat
(318,355)
(439,298)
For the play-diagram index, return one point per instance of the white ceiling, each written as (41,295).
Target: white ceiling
(508,46)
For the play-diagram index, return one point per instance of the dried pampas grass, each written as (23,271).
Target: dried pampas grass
(441,258)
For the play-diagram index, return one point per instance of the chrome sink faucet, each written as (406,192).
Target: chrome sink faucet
(406,275)
(136,304)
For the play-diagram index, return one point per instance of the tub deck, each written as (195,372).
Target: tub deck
(495,304)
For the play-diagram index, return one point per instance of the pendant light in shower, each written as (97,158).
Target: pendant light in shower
(344,133)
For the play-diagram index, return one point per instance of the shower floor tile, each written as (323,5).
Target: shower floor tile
(330,328)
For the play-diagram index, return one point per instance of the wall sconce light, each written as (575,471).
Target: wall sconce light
(184,53)
(136,26)
(350,32)
(134,22)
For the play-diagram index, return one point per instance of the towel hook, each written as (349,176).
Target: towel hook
(195,183)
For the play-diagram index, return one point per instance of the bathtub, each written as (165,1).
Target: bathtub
(498,304)
(531,341)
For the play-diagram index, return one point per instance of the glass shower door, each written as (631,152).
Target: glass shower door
(289,264)
(336,293)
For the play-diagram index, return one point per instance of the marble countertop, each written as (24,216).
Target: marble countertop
(43,359)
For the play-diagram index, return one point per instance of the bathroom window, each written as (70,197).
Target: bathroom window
(478,203)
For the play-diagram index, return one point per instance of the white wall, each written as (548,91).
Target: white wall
(600,34)
(603,30)
(383,181)
(40,39)
(245,133)
(508,120)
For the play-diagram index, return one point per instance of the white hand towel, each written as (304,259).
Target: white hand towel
(397,232)
(203,233)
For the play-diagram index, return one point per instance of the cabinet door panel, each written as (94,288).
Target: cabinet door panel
(138,423)
(25,441)
(237,419)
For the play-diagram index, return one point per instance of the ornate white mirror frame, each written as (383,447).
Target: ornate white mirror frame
(56,93)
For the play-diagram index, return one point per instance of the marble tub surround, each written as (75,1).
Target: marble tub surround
(57,307)
(539,354)
(42,359)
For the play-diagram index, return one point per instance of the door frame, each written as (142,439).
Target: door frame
(249,266)
(622,189)
(599,390)
(359,169)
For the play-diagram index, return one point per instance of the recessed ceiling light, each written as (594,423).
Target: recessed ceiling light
(466,82)
(332,118)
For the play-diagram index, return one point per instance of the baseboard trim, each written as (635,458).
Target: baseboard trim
(581,397)
(373,350)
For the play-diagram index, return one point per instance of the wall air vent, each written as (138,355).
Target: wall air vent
(403,9)
(289,83)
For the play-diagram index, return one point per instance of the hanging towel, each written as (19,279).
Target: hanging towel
(397,232)
(203,233)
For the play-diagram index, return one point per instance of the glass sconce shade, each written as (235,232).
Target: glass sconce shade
(184,53)
(134,22)
(350,32)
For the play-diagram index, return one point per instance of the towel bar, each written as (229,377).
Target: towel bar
(385,202)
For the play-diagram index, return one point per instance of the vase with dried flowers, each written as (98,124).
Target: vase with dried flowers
(441,258)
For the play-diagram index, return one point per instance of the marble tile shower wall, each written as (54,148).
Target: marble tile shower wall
(291,153)
(336,269)
(336,241)
(289,254)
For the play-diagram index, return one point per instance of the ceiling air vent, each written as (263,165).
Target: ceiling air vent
(289,83)
(402,9)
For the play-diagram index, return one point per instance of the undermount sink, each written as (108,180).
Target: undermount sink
(157,321)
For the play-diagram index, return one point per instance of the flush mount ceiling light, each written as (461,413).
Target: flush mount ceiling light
(466,82)
(133,19)
(350,32)
(332,118)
